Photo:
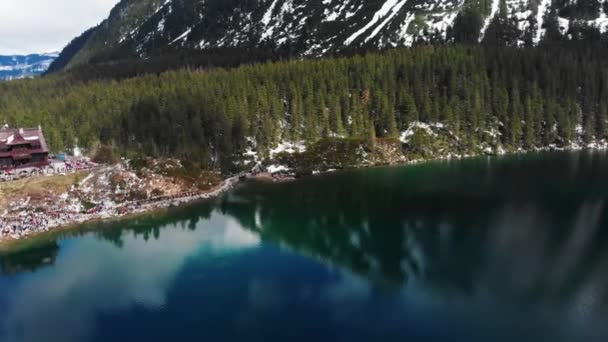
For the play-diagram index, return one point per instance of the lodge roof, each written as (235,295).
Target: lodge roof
(23,136)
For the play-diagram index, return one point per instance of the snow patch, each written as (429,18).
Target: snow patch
(564,25)
(382,12)
(288,147)
(540,16)
(601,22)
(394,11)
(407,38)
(416,126)
(268,15)
(488,20)
(275,168)
(182,36)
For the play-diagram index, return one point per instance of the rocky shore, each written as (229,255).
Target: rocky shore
(420,142)
(31,223)
(106,193)
(132,188)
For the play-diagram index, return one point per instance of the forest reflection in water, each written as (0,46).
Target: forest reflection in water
(491,248)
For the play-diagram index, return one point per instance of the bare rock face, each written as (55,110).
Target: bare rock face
(143,28)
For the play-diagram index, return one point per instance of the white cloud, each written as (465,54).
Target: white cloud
(34,26)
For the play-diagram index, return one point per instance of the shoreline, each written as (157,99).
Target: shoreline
(290,175)
(131,210)
(134,210)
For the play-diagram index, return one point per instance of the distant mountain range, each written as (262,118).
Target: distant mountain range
(141,29)
(24,66)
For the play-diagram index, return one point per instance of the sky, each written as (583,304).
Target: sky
(37,26)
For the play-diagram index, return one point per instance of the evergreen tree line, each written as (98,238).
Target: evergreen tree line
(532,96)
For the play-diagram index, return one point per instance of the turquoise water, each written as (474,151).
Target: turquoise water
(486,249)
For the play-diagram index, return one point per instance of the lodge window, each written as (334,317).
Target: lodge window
(20,148)
(37,157)
(5,162)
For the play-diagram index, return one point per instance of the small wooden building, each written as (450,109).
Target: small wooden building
(22,148)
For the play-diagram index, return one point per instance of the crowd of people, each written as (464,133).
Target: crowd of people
(55,165)
(17,227)
(25,222)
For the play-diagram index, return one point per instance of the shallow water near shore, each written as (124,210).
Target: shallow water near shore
(486,249)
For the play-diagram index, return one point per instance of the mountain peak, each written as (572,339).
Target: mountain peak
(143,28)
(25,66)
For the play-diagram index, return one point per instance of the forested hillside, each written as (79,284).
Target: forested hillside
(524,97)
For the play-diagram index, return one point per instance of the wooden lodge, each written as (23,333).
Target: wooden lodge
(22,148)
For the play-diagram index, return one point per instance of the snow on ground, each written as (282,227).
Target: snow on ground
(540,16)
(382,12)
(416,126)
(271,16)
(598,145)
(492,132)
(284,146)
(289,147)
(268,15)
(251,154)
(493,12)
(564,25)
(393,12)
(134,31)
(447,20)
(274,168)
(182,36)
(602,21)
(334,14)
(403,31)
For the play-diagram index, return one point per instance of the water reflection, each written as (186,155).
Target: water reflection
(538,251)
(484,250)
(31,259)
(93,276)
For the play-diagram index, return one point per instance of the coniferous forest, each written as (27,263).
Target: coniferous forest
(535,97)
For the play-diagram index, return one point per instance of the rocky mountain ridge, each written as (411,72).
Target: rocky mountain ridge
(20,66)
(144,28)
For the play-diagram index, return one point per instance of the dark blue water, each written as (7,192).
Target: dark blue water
(479,250)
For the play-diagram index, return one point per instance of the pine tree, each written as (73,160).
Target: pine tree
(371,137)
(410,111)
(502,31)
(535,96)
(336,123)
(515,126)
(467,25)
(530,134)
(602,121)
(589,129)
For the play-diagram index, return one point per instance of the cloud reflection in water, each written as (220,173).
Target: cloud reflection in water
(94,276)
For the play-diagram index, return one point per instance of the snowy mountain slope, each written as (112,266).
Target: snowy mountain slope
(141,28)
(126,16)
(14,67)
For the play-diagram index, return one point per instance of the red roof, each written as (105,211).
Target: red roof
(13,137)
